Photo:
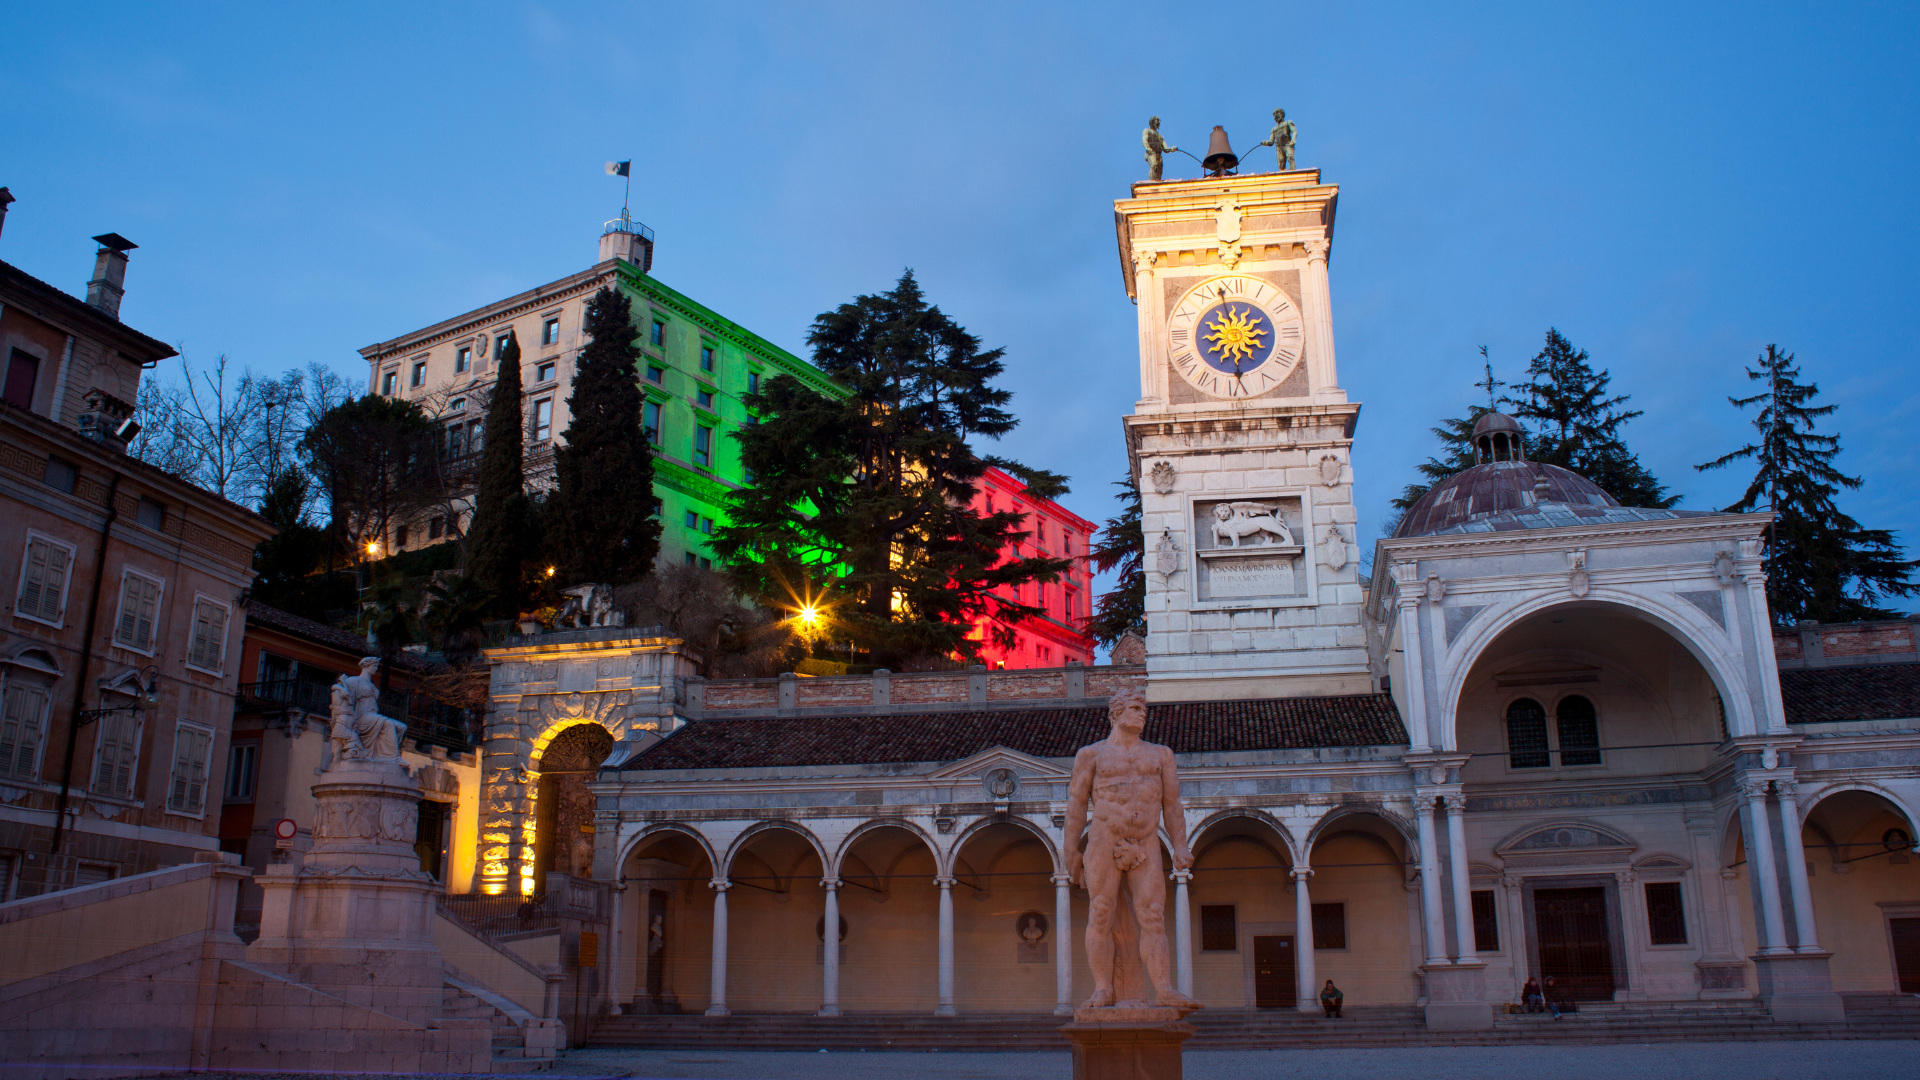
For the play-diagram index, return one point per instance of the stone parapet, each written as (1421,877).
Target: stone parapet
(905,692)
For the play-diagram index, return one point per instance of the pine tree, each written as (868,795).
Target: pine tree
(863,506)
(1457,454)
(1121,546)
(498,541)
(1821,565)
(1573,423)
(601,524)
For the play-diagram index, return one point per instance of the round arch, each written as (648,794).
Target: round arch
(1699,635)
(538,747)
(678,828)
(1019,821)
(867,828)
(1290,849)
(746,837)
(1810,797)
(1409,835)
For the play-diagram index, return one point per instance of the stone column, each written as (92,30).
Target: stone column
(1808,937)
(1062,945)
(1148,303)
(1182,933)
(1412,670)
(1753,571)
(945,1008)
(830,950)
(718,1007)
(1460,879)
(1430,885)
(1316,300)
(1303,942)
(617,948)
(1773,938)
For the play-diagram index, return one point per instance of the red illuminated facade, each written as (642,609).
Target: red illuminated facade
(1056,640)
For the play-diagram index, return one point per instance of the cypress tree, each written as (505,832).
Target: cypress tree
(498,539)
(1121,546)
(866,503)
(601,523)
(1576,425)
(1821,564)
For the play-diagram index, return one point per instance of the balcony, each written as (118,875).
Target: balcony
(429,722)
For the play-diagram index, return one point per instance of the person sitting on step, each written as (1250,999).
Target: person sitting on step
(1330,999)
(1546,997)
(1530,996)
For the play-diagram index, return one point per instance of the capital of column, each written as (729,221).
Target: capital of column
(1182,876)
(1425,803)
(1317,250)
(1456,805)
(1300,873)
(945,882)
(1062,879)
(1785,788)
(1754,790)
(719,885)
(830,884)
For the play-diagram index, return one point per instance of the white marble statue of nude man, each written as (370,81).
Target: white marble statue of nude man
(1122,788)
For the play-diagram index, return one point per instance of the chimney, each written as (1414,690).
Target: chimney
(6,197)
(109,273)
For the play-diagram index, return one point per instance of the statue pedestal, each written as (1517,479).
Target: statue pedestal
(1457,997)
(1797,988)
(1127,1042)
(355,919)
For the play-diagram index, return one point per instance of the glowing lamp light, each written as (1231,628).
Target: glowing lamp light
(809,616)
(550,570)
(373,547)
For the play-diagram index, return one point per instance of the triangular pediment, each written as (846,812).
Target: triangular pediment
(1025,766)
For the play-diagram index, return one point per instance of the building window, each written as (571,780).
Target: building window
(650,421)
(22,371)
(659,508)
(1217,930)
(400,536)
(1579,731)
(192,751)
(23,727)
(656,375)
(456,440)
(543,373)
(93,873)
(1486,922)
(419,377)
(1666,916)
(474,432)
(753,382)
(692,559)
(117,755)
(434,526)
(703,397)
(703,447)
(43,580)
(693,520)
(500,346)
(657,337)
(462,359)
(1329,926)
(139,606)
(151,514)
(458,404)
(60,475)
(706,525)
(550,332)
(388,383)
(242,759)
(543,420)
(209,649)
(706,358)
(1527,735)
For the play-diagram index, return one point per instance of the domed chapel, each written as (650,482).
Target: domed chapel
(1548,735)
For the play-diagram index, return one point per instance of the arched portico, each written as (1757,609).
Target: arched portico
(1368,941)
(664,923)
(1865,885)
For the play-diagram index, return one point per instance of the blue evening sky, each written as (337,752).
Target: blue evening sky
(1672,186)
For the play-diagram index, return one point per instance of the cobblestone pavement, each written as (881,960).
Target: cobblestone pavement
(1864,1059)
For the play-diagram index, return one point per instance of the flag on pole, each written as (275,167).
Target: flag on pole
(619,168)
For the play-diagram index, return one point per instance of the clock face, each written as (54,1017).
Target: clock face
(1235,336)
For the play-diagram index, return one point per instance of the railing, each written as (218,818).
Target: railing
(283,693)
(429,722)
(498,917)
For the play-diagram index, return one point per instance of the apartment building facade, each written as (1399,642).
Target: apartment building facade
(1058,638)
(117,647)
(696,369)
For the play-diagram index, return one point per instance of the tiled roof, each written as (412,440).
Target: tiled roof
(322,634)
(1557,516)
(1189,728)
(1861,692)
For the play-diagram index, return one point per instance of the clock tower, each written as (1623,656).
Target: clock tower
(1241,440)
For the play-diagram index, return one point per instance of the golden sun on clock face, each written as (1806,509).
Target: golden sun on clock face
(1235,336)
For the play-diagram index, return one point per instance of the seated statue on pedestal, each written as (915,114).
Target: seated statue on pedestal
(358,732)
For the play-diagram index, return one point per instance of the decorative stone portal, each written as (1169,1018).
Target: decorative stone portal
(563,839)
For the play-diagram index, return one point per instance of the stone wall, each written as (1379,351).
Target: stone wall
(884,689)
(1845,644)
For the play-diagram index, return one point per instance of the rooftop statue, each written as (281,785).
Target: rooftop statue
(1156,147)
(1121,789)
(1282,139)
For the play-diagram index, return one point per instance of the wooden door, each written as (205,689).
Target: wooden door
(1273,973)
(1574,945)
(1906,953)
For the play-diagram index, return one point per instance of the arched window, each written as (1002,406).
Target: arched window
(1579,731)
(1527,735)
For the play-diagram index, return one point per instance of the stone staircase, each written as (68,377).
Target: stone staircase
(511,1053)
(1868,1017)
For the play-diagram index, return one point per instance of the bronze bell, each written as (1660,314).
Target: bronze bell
(1220,159)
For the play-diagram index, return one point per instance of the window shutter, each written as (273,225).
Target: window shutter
(119,749)
(189,770)
(32,588)
(54,583)
(138,599)
(209,635)
(19,731)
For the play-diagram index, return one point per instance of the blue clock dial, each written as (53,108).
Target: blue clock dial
(1235,336)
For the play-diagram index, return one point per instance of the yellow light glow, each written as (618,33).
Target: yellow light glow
(373,547)
(550,570)
(809,616)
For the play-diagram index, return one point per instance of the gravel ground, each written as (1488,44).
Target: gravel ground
(1836,1060)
